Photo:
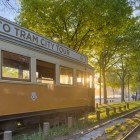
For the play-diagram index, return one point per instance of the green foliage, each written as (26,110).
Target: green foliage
(34,136)
(109,129)
(122,128)
(59,131)
(112,131)
(78,24)
(112,79)
(130,122)
(97,28)
(64,21)
(115,133)
(117,125)
(10,72)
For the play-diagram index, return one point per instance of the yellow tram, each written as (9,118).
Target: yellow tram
(40,79)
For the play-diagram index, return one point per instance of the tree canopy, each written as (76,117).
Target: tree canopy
(72,22)
(105,31)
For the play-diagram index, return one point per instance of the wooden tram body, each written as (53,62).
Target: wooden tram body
(40,79)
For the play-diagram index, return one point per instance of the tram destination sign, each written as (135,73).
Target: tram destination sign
(10,29)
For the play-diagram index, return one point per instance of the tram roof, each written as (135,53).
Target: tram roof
(12,31)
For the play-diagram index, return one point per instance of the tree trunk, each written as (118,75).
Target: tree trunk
(113,90)
(100,94)
(128,90)
(100,84)
(104,86)
(122,89)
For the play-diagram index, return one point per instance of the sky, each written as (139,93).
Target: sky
(9,9)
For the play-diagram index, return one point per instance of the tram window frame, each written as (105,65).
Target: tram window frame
(92,81)
(88,83)
(15,79)
(45,63)
(72,75)
(82,84)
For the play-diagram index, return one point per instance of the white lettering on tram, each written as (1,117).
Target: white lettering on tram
(27,36)
(13,30)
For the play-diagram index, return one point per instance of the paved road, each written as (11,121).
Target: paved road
(111,100)
(97,100)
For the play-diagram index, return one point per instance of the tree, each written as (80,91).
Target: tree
(87,26)
(128,63)
(107,40)
(65,21)
(113,80)
(133,42)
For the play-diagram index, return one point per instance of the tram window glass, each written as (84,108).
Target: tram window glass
(66,76)
(80,78)
(89,80)
(15,66)
(45,72)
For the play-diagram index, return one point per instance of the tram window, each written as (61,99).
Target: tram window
(45,72)
(80,78)
(66,76)
(89,81)
(15,66)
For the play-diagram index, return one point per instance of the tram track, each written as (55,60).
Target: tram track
(131,134)
(80,135)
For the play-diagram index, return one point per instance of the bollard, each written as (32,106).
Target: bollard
(127,104)
(97,105)
(124,107)
(98,115)
(120,109)
(46,127)
(70,122)
(114,110)
(107,112)
(7,135)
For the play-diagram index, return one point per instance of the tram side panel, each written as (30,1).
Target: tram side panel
(92,99)
(19,98)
